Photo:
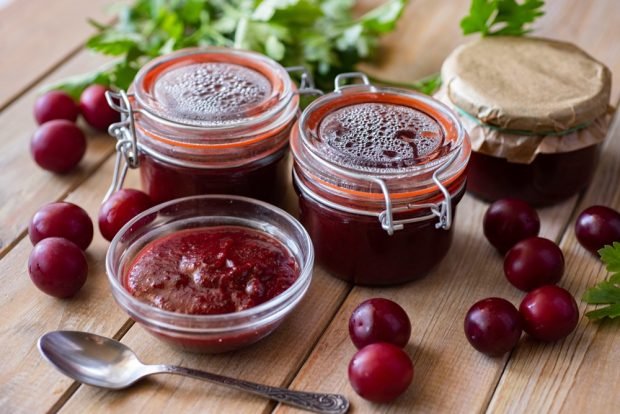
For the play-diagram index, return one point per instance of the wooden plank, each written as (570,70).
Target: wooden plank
(24,187)
(28,384)
(580,373)
(37,35)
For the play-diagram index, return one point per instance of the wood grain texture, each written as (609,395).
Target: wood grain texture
(591,26)
(28,384)
(24,187)
(35,36)
(580,373)
(426,33)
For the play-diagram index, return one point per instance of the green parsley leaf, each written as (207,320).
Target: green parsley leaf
(611,311)
(74,85)
(322,35)
(113,43)
(123,75)
(383,19)
(606,292)
(610,255)
(479,18)
(428,85)
(274,48)
(338,9)
(190,11)
(501,17)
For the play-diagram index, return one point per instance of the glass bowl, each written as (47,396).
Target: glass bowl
(210,333)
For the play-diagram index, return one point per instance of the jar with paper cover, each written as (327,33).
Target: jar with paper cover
(537,111)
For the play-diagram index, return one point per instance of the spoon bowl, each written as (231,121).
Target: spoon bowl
(92,359)
(107,363)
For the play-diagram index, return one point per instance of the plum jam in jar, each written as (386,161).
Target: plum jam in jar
(204,121)
(379,173)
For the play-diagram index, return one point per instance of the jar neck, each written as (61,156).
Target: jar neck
(215,147)
(418,184)
(380,191)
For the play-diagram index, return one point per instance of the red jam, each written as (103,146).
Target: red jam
(211,270)
(356,249)
(264,181)
(549,179)
(355,149)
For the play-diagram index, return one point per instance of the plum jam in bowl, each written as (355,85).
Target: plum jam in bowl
(210,273)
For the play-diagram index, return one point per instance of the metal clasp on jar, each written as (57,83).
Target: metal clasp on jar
(126,140)
(441,210)
(339,84)
(306,83)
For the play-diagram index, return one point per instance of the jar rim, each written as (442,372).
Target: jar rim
(281,94)
(346,182)
(257,136)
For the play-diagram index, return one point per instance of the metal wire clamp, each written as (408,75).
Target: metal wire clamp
(126,141)
(306,84)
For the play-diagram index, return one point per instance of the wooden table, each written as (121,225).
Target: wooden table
(41,41)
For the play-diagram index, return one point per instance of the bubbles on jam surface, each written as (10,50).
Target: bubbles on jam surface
(210,92)
(379,135)
(211,270)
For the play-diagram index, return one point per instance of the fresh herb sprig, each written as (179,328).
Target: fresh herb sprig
(501,17)
(606,292)
(321,35)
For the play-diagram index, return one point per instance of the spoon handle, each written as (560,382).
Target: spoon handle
(318,403)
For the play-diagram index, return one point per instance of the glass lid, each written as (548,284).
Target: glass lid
(378,136)
(368,130)
(212,88)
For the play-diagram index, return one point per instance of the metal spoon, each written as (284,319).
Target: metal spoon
(104,362)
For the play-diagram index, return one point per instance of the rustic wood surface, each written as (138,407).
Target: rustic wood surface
(41,41)
(36,36)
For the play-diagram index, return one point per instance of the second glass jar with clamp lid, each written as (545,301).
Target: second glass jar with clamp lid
(379,173)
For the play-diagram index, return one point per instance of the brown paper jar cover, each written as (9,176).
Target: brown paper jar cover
(523,148)
(519,96)
(525,83)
